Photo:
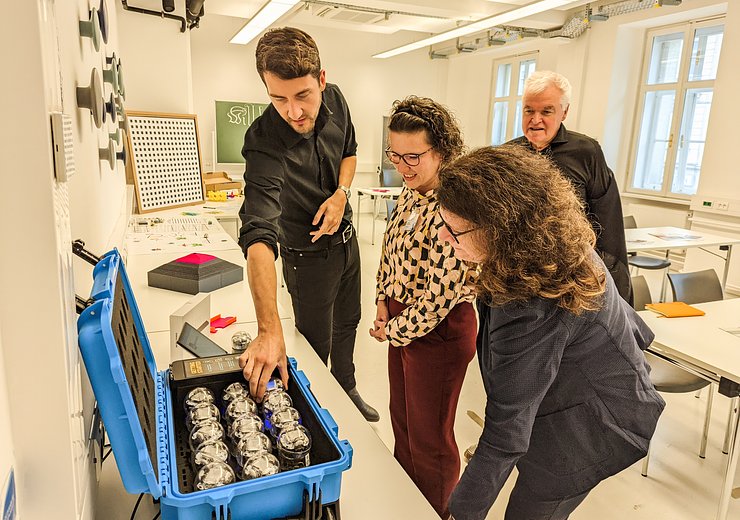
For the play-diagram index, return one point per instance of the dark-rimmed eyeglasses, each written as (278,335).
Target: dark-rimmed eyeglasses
(456,234)
(412,159)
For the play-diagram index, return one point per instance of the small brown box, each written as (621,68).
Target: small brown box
(217,181)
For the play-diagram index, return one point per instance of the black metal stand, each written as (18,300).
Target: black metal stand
(78,248)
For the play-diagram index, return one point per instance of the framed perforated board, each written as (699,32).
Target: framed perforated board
(165,153)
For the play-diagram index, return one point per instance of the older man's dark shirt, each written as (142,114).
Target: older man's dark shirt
(582,161)
(289,175)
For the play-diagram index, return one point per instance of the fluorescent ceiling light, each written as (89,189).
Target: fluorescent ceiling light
(264,18)
(480,25)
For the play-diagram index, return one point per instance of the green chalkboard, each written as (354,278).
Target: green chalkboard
(232,120)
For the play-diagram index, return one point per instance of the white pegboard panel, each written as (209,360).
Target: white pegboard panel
(74,390)
(166,160)
(63,143)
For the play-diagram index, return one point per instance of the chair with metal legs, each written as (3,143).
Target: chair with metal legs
(666,376)
(646,262)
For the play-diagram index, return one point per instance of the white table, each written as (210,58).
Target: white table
(667,238)
(376,194)
(702,345)
(226,212)
(156,305)
(375,486)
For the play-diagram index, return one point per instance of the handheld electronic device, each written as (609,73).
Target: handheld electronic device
(199,345)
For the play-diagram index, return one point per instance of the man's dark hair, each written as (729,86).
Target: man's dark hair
(288,53)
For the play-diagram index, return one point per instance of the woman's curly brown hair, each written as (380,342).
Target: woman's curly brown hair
(533,232)
(416,114)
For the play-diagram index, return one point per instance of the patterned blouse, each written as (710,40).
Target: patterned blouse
(420,270)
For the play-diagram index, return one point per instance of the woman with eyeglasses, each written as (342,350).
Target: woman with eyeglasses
(569,396)
(424,304)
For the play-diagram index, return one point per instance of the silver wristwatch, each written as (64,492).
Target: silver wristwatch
(346,190)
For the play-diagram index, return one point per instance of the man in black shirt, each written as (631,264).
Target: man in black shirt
(545,106)
(300,161)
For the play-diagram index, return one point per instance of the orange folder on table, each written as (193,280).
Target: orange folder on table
(675,309)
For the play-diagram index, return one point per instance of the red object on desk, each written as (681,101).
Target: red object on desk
(195,258)
(217,322)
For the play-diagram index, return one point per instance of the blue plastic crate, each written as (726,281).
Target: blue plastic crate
(137,405)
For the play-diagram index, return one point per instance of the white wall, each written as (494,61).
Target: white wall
(719,174)
(156,60)
(40,356)
(470,76)
(223,71)
(604,67)
(6,436)
(96,192)
(614,65)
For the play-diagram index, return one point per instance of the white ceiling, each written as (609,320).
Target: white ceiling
(420,16)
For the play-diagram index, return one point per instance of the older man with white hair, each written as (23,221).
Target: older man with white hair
(545,106)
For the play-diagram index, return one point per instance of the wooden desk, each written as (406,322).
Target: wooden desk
(702,345)
(375,194)
(667,238)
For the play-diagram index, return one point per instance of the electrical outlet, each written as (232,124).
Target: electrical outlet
(722,205)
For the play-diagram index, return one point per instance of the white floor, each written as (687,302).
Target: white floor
(680,485)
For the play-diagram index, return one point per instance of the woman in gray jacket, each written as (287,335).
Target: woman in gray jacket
(569,397)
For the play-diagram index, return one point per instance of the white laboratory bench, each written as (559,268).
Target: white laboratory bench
(374,487)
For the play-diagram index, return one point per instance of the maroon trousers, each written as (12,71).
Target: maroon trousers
(425,381)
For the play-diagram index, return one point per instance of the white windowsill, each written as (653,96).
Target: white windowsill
(656,198)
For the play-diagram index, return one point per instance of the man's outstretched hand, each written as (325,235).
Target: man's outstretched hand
(258,362)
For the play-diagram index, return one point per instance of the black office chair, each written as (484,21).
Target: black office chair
(700,287)
(646,262)
(666,376)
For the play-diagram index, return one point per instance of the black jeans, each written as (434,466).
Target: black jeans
(325,290)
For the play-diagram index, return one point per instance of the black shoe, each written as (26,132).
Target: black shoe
(368,412)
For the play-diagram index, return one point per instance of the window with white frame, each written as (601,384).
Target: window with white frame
(673,113)
(508,86)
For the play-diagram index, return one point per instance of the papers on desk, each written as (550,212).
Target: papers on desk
(674,309)
(735,332)
(676,236)
(175,235)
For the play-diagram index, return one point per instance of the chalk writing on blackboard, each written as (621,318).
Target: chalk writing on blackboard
(232,120)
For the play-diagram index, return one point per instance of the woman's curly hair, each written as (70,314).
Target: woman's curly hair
(533,231)
(416,114)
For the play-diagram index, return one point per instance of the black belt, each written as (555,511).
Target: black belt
(338,238)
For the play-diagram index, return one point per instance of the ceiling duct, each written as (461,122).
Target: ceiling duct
(346,14)
(598,16)
(466,47)
(357,14)
(574,27)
